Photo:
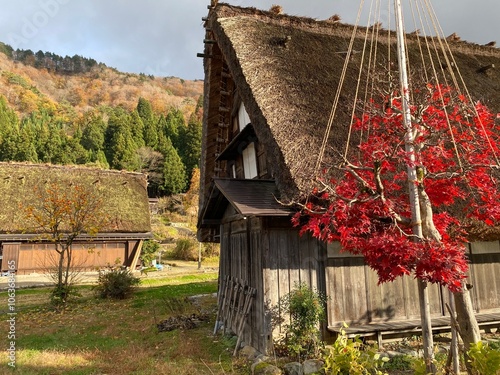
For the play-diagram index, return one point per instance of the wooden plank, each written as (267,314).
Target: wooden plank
(10,256)
(335,292)
(486,282)
(136,253)
(257,313)
(294,257)
(354,287)
(305,257)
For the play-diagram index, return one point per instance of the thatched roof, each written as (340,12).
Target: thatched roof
(125,199)
(286,71)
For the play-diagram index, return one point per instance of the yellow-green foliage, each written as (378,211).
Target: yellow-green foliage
(351,356)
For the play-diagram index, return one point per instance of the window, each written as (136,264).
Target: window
(250,161)
(243,119)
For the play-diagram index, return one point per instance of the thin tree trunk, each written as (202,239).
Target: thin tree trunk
(469,329)
(67,271)
(426,326)
(60,270)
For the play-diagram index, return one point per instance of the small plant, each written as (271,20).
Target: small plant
(306,308)
(419,367)
(399,362)
(351,356)
(60,294)
(116,283)
(484,359)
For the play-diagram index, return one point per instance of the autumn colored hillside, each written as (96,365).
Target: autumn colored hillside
(26,88)
(74,110)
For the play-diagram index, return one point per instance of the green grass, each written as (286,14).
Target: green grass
(102,336)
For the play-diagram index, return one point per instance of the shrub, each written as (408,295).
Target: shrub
(351,356)
(211,250)
(306,308)
(149,250)
(185,249)
(117,284)
(484,359)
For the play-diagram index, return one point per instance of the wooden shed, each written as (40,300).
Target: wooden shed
(270,80)
(119,242)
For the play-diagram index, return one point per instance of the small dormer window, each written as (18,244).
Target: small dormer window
(250,161)
(243,118)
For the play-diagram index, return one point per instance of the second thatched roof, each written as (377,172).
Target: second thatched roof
(124,195)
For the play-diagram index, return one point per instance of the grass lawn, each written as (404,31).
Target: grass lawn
(96,336)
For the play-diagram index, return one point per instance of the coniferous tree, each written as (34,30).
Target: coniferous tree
(175,126)
(190,147)
(150,129)
(121,150)
(174,172)
(93,137)
(137,128)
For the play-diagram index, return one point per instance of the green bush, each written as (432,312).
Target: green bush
(185,249)
(306,309)
(117,284)
(484,359)
(351,356)
(149,250)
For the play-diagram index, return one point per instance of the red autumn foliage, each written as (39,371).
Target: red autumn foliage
(364,202)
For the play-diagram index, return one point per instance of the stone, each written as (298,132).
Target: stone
(312,366)
(262,358)
(264,368)
(294,368)
(249,352)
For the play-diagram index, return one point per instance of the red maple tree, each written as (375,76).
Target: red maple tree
(363,201)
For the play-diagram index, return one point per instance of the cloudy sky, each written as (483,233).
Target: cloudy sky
(162,37)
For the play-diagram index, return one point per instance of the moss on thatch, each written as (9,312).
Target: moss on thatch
(125,200)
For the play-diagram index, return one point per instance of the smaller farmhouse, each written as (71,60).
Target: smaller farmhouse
(270,81)
(120,242)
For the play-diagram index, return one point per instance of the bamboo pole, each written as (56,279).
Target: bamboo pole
(412,184)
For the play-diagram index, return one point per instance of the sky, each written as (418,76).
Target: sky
(162,37)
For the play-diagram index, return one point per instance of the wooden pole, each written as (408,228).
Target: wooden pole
(454,352)
(412,185)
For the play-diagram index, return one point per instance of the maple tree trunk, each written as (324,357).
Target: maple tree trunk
(466,319)
(467,322)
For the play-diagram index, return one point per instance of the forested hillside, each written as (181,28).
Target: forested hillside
(73,110)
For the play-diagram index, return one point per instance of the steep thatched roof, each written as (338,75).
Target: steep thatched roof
(125,199)
(286,71)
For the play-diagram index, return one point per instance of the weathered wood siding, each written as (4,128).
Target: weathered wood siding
(266,254)
(32,257)
(270,256)
(356,298)
(485,275)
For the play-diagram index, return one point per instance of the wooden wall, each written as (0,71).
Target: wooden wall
(266,254)
(270,256)
(485,275)
(355,297)
(32,257)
